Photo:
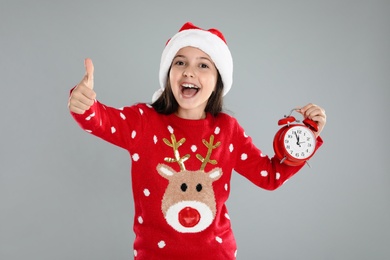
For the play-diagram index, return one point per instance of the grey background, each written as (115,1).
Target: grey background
(67,195)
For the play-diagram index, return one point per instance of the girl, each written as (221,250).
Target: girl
(184,149)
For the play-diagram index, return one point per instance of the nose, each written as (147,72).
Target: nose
(188,72)
(189,217)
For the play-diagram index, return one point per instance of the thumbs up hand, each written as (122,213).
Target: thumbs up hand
(83,96)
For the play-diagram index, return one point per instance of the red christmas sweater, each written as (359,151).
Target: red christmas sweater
(181,171)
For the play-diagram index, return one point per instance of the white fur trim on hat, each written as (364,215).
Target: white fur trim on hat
(206,41)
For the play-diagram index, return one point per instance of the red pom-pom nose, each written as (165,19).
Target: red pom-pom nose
(189,217)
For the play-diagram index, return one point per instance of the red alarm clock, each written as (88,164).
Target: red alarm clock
(295,143)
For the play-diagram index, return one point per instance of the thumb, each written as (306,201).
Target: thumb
(89,69)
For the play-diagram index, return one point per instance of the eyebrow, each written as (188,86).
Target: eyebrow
(200,58)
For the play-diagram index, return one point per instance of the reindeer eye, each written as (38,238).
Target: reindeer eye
(183,187)
(199,187)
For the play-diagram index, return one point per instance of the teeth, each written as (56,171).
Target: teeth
(189,86)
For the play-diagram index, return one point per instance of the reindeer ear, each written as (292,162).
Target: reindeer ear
(215,173)
(165,171)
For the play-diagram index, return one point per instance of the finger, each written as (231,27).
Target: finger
(89,70)
(311,110)
(303,110)
(79,102)
(83,90)
(320,121)
(314,112)
(81,105)
(77,107)
(77,110)
(84,100)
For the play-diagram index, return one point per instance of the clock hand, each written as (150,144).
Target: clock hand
(296,135)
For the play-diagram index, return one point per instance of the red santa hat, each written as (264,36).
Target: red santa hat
(209,41)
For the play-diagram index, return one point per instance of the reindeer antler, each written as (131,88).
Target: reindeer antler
(210,146)
(175,145)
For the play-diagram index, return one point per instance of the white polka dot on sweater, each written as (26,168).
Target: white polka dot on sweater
(122,115)
(140,220)
(135,253)
(217,130)
(146,192)
(244,156)
(155,139)
(227,216)
(226,186)
(89,131)
(170,129)
(113,130)
(245,135)
(135,157)
(231,147)
(219,240)
(90,116)
(277,176)
(193,148)
(262,155)
(141,111)
(161,244)
(133,134)
(264,173)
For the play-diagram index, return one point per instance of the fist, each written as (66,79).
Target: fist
(316,114)
(83,96)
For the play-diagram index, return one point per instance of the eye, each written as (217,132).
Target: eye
(199,187)
(179,63)
(183,187)
(204,66)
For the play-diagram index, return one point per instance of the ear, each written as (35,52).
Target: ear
(215,174)
(165,171)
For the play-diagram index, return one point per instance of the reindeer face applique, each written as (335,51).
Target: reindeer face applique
(189,203)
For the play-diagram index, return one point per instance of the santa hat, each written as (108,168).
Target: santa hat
(209,41)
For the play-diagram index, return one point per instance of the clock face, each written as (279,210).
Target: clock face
(299,142)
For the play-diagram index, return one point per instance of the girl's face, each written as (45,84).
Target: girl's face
(193,77)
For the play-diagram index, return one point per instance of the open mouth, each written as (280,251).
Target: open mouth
(189,90)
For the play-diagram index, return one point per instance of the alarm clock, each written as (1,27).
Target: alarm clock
(295,143)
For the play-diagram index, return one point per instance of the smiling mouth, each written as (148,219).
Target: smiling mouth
(189,90)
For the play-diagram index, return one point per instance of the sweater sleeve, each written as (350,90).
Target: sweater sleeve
(265,172)
(117,126)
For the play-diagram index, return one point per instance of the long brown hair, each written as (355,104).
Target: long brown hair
(166,104)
